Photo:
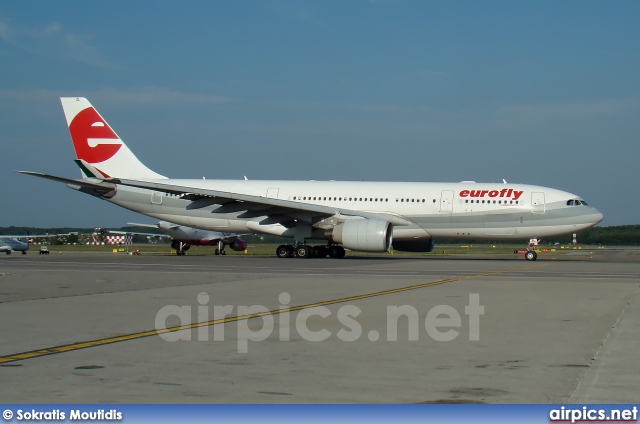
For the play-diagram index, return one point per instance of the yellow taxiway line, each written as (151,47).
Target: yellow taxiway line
(133,336)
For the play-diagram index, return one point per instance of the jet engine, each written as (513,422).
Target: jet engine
(238,245)
(365,235)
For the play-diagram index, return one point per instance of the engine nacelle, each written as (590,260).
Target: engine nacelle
(365,235)
(419,245)
(238,245)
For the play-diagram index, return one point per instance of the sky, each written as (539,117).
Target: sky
(544,93)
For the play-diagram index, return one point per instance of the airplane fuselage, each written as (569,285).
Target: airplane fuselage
(433,210)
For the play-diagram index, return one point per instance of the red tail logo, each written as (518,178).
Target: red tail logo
(92,138)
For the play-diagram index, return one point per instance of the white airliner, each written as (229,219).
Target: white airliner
(182,237)
(361,216)
(10,244)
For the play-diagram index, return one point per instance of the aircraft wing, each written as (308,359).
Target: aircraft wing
(255,205)
(21,236)
(136,224)
(29,236)
(135,233)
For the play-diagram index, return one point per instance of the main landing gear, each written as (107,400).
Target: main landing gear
(180,247)
(220,249)
(306,251)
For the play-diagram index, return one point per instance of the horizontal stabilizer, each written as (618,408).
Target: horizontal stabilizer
(96,185)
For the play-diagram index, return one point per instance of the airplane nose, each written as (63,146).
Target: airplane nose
(597,216)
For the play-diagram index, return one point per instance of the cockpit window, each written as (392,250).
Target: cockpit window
(570,202)
(584,203)
(576,202)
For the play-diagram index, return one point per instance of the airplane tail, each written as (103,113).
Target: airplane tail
(100,152)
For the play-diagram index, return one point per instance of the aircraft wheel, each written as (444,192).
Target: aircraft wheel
(8,252)
(223,253)
(303,251)
(284,251)
(336,252)
(320,251)
(531,255)
(24,252)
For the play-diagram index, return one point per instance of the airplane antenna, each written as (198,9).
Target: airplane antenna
(245,178)
(504,181)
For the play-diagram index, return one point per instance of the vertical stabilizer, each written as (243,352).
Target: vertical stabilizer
(98,146)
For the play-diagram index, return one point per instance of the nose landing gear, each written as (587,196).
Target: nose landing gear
(531,254)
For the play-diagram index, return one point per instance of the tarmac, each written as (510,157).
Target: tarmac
(102,328)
